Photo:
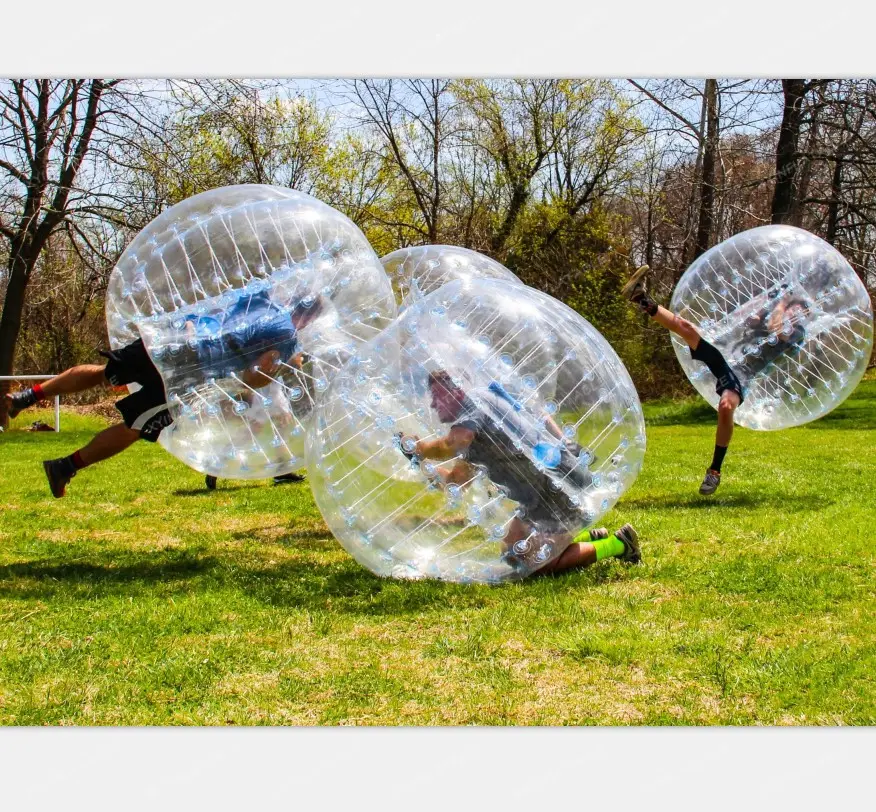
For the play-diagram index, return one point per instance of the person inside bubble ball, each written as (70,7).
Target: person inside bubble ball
(481,425)
(254,338)
(780,316)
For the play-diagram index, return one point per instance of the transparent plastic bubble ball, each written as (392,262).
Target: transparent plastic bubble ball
(248,299)
(788,313)
(417,271)
(535,425)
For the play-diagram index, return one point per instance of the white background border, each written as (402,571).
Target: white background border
(535,769)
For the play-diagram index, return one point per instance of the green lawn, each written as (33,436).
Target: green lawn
(142,598)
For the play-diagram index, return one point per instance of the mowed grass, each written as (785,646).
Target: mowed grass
(141,598)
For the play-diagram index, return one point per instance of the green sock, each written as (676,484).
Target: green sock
(608,548)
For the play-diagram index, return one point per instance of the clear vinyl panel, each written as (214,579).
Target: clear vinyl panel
(789,314)
(248,298)
(552,431)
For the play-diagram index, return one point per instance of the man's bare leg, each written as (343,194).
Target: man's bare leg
(681,327)
(75,379)
(636,291)
(108,443)
(577,554)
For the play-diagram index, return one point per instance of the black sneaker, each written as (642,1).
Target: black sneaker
(59,472)
(19,401)
(630,538)
(284,478)
(598,533)
(210,482)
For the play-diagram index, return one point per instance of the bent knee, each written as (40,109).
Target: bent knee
(687,331)
(727,405)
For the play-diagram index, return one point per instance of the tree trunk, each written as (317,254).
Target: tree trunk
(518,199)
(784,201)
(707,188)
(835,195)
(19,269)
(689,247)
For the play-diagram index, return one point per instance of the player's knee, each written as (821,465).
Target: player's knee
(727,406)
(687,331)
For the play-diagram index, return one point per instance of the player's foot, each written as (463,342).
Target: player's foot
(630,538)
(710,483)
(210,482)
(636,290)
(283,478)
(59,472)
(598,533)
(19,401)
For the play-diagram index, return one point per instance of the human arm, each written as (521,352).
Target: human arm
(457,440)
(777,317)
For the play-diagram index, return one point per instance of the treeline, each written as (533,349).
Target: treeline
(568,182)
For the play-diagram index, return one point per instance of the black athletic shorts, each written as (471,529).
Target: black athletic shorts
(146,409)
(725,378)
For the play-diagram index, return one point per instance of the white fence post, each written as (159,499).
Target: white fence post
(39,378)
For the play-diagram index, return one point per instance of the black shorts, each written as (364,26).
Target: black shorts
(725,378)
(146,409)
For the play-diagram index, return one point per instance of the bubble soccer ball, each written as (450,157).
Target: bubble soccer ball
(247,298)
(417,271)
(537,429)
(790,316)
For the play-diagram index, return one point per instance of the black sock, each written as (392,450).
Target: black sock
(75,462)
(718,458)
(648,305)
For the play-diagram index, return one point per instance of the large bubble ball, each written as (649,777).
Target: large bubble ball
(788,313)
(474,437)
(248,299)
(419,270)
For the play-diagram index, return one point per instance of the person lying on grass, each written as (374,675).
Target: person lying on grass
(254,338)
(474,441)
(780,316)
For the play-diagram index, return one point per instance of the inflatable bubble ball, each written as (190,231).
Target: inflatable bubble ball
(788,313)
(474,437)
(420,270)
(248,299)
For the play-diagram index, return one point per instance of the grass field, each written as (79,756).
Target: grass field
(142,598)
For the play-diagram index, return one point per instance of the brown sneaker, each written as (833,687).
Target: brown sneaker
(59,472)
(630,538)
(636,287)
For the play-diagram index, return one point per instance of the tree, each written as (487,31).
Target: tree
(412,117)
(46,129)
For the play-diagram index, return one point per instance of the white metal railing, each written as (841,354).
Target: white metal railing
(38,378)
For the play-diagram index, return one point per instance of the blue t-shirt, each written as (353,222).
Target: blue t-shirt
(234,340)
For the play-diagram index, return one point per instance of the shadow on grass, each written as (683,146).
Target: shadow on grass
(204,491)
(44,579)
(801,502)
(304,583)
(312,537)
(681,413)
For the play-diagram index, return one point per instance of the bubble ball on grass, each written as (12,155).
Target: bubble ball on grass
(247,298)
(419,270)
(556,429)
(791,317)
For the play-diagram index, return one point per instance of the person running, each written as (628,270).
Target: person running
(780,316)
(253,338)
(482,423)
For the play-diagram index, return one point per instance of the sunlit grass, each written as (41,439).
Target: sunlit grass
(142,598)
